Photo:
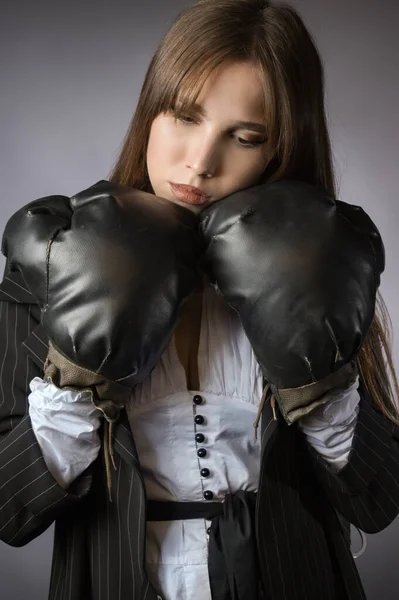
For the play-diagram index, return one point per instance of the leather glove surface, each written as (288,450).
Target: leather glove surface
(302,270)
(110,269)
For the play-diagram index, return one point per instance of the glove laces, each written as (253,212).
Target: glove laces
(260,409)
(109,453)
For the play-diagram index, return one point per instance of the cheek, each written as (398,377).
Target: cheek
(247,171)
(162,154)
(161,142)
(260,163)
(155,146)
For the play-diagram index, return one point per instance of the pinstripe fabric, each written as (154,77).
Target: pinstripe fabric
(99,547)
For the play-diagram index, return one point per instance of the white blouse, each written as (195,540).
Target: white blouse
(166,421)
(162,411)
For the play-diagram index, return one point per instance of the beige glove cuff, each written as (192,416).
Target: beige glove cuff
(106,395)
(295,403)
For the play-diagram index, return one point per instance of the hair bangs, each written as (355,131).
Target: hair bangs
(184,82)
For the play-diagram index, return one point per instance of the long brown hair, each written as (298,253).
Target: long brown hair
(274,38)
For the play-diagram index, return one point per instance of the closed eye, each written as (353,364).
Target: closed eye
(244,143)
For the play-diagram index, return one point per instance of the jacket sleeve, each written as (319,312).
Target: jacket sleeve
(366,490)
(30,498)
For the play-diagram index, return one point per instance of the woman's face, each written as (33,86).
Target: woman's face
(208,148)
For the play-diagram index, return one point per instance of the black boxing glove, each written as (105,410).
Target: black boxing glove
(110,269)
(302,270)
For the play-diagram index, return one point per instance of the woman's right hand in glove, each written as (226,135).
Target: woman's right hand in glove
(110,268)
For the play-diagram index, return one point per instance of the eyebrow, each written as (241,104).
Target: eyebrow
(235,124)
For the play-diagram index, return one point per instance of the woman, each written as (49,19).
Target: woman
(185,435)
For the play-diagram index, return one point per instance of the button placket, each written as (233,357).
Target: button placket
(200,438)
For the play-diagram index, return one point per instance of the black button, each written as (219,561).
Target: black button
(208,495)
(198,399)
(201,452)
(199,419)
(199,437)
(208,530)
(205,472)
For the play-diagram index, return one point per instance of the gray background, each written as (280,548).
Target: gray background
(71,73)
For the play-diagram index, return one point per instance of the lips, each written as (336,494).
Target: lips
(187,194)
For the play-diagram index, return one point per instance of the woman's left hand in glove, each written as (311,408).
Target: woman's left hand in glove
(302,270)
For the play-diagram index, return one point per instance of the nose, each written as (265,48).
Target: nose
(202,159)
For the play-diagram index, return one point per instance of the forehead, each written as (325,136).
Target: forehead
(232,88)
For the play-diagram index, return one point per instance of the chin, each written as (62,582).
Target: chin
(192,207)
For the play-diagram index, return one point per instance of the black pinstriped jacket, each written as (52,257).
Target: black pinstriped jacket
(302,513)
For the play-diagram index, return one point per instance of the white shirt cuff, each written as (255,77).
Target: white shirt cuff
(65,424)
(330,427)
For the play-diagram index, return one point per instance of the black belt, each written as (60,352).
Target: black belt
(232,558)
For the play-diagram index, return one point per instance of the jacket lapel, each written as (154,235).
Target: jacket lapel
(36,345)
(14,289)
